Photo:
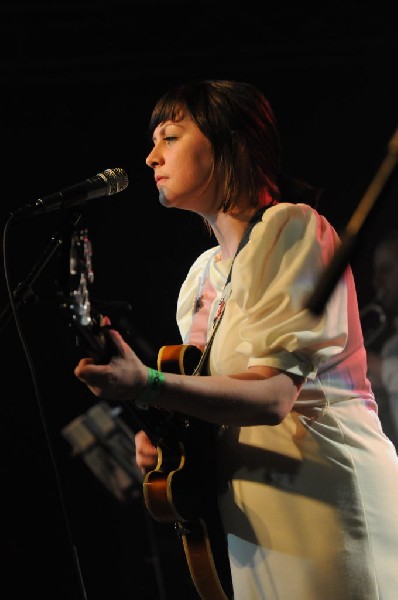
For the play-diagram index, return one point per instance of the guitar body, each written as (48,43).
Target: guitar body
(182,489)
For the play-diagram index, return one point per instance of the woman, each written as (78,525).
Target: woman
(309,506)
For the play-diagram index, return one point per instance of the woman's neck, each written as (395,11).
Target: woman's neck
(228,230)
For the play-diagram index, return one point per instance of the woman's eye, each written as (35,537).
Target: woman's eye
(170,138)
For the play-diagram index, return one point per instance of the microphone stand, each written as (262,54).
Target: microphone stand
(24,291)
(331,275)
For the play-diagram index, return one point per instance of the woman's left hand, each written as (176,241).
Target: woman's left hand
(121,379)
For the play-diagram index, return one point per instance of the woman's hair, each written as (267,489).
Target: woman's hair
(234,115)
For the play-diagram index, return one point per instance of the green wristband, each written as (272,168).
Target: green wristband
(148,395)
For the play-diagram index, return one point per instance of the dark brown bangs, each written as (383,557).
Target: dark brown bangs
(167,109)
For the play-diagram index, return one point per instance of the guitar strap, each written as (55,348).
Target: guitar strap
(245,238)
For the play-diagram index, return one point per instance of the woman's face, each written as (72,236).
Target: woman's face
(182,160)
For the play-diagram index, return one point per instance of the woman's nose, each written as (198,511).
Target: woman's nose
(151,160)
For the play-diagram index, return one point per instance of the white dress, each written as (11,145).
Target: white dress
(310,506)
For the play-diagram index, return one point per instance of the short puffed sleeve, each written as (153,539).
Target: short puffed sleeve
(273,276)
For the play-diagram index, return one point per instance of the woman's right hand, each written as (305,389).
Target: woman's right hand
(146,454)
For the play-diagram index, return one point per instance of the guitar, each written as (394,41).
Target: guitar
(182,488)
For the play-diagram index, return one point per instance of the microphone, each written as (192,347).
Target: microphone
(111,181)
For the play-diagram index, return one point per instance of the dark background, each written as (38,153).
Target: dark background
(78,82)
